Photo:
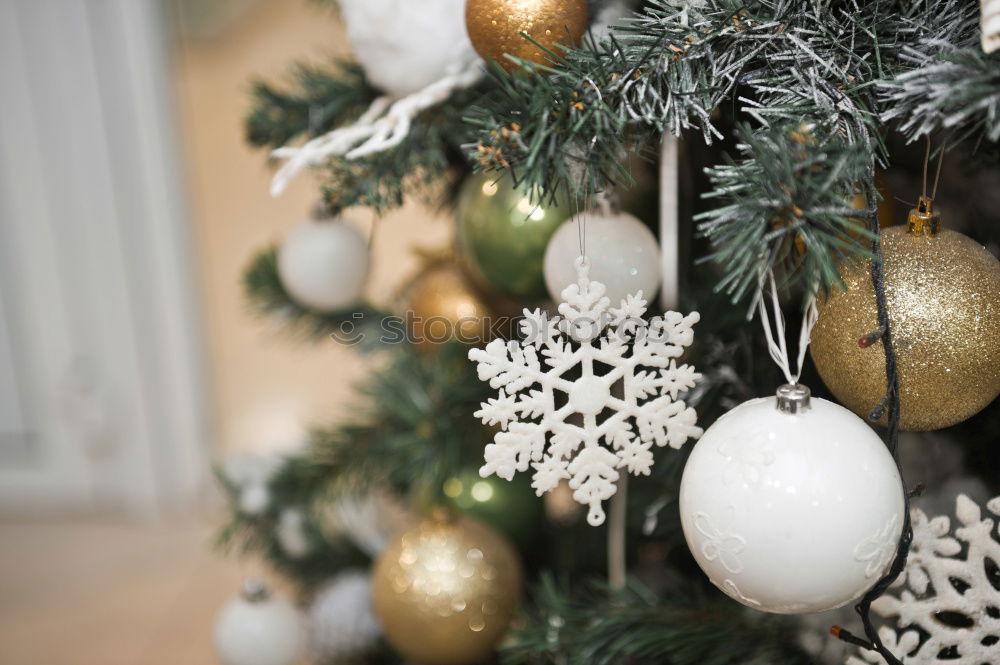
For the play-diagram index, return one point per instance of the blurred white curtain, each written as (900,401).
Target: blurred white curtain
(102,401)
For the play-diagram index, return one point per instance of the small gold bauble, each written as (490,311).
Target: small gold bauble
(886,204)
(560,506)
(446,590)
(495,27)
(944,314)
(445,306)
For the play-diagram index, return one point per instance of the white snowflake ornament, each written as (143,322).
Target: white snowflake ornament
(949,608)
(587,428)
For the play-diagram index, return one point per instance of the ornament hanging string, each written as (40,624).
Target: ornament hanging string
(937,174)
(616,535)
(776,345)
(383,126)
(889,406)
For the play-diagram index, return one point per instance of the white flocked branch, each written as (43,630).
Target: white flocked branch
(383,126)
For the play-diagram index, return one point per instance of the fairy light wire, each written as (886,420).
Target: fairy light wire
(889,405)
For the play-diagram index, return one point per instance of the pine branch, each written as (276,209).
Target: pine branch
(315,101)
(839,67)
(420,166)
(593,626)
(948,89)
(415,426)
(297,484)
(824,65)
(787,208)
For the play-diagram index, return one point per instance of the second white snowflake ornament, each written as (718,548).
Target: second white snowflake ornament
(946,610)
(586,428)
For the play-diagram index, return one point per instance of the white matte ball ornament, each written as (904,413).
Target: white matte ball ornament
(259,629)
(623,253)
(792,510)
(323,264)
(404,45)
(341,620)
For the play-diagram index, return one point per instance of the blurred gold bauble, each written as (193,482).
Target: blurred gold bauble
(446,590)
(560,506)
(944,315)
(495,27)
(444,306)
(886,204)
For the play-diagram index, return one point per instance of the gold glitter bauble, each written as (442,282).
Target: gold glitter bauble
(495,27)
(446,590)
(444,306)
(943,300)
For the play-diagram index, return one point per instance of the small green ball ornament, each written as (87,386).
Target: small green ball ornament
(503,233)
(510,507)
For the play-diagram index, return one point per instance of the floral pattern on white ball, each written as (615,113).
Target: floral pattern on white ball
(631,407)
(947,571)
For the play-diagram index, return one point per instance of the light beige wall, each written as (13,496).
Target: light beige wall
(267,390)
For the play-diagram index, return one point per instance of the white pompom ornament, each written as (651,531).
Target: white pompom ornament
(626,256)
(260,629)
(990,25)
(792,504)
(405,46)
(342,622)
(323,264)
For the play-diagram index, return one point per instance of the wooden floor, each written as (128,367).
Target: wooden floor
(105,593)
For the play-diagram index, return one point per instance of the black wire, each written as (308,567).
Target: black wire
(890,403)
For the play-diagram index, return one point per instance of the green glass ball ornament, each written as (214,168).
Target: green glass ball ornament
(503,233)
(510,507)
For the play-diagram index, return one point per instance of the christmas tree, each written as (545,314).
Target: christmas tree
(552,465)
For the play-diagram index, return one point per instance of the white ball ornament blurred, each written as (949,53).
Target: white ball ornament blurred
(624,255)
(342,623)
(405,46)
(792,504)
(260,629)
(250,476)
(323,264)
(292,534)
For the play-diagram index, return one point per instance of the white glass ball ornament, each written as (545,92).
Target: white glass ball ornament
(260,629)
(792,504)
(623,252)
(323,264)
(403,45)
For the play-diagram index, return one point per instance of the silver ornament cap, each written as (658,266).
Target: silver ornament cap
(254,591)
(792,398)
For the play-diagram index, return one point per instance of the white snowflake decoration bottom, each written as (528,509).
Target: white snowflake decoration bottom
(630,407)
(951,594)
